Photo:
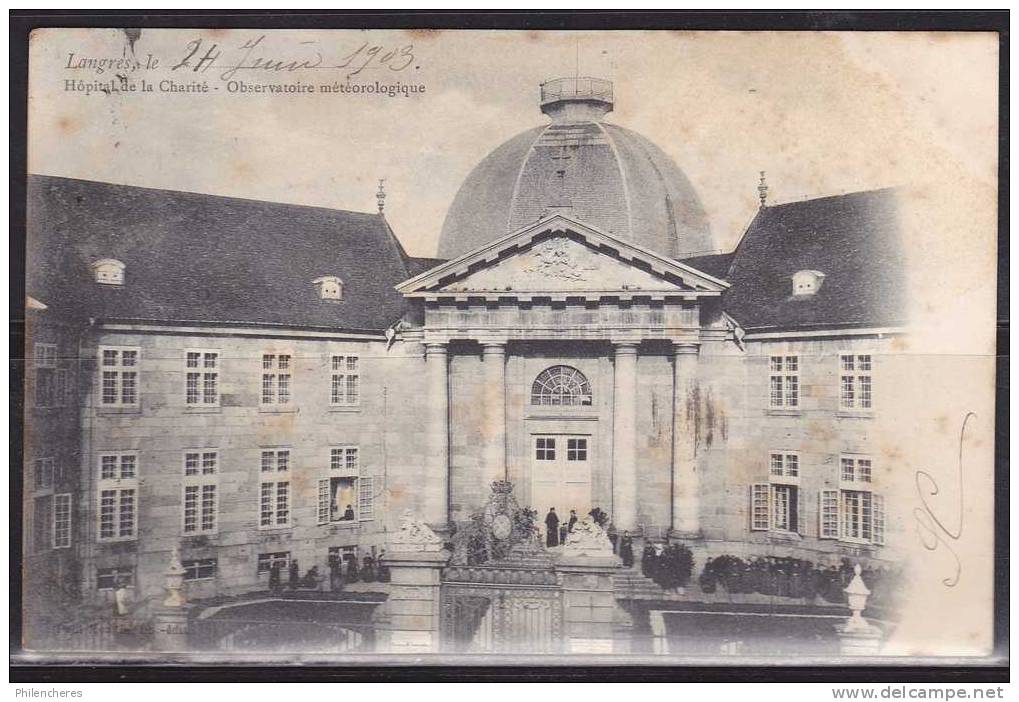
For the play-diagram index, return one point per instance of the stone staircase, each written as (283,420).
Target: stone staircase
(631,584)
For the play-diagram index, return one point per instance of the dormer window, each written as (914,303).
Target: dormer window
(807,282)
(329,287)
(108,271)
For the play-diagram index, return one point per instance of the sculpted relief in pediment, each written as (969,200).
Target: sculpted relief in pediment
(556,264)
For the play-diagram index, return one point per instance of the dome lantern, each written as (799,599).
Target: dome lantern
(579,99)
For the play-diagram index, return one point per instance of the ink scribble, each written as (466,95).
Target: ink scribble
(930,526)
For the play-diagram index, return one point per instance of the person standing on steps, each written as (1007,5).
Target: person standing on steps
(551,528)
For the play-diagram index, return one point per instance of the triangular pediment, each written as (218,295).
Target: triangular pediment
(561,256)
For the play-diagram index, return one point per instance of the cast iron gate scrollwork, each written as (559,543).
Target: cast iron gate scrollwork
(500,592)
(487,619)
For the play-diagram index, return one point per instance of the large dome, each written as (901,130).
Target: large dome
(602,174)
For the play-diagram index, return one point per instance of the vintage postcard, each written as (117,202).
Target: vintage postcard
(479,346)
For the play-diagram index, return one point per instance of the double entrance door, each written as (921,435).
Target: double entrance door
(561,475)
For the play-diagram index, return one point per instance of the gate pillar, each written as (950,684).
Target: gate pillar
(586,566)
(415,558)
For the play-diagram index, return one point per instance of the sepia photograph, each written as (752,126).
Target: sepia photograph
(476,347)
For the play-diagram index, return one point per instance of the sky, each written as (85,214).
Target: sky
(821,113)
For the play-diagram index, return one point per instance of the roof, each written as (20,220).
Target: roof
(610,177)
(665,274)
(853,239)
(203,258)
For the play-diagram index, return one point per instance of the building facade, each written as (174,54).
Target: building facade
(257,384)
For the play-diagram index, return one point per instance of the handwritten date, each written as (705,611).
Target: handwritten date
(251,55)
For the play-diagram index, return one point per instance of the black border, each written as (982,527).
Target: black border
(22,22)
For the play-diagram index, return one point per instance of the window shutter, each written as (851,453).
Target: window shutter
(366,498)
(760,512)
(798,509)
(323,501)
(828,514)
(878,505)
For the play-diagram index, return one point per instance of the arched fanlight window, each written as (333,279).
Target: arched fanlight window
(561,386)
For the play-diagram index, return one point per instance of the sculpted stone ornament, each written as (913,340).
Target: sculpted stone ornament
(552,259)
(414,536)
(174,581)
(587,538)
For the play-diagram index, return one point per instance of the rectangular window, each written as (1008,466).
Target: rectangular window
(275,460)
(345,389)
(112,578)
(828,514)
(62,520)
(43,473)
(344,459)
(267,560)
(785,507)
(544,448)
(774,507)
(852,515)
(348,494)
(276,374)
(200,493)
(119,376)
(118,496)
(878,505)
(200,569)
(274,504)
(759,506)
(786,465)
(856,469)
(201,378)
(784,382)
(855,382)
(366,498)
(576,449)
(45,355)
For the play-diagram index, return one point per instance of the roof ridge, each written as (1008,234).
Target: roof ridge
(321,208)
(832,196)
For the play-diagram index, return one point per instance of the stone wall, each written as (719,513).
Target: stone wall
(737,431)
(162,427)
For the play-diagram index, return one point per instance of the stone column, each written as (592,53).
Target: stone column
(436,488)
(494,434)
(685,478)
(624,439)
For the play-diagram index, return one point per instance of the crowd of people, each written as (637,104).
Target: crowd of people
(341,571)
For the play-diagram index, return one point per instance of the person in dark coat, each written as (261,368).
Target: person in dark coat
(647,559)
(348,514)
(295,575)
(275,583)
(626,549)
(335,575)
(563,531)
(551,528)
(573,521)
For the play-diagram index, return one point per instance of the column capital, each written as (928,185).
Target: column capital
(682,348)
(436,347)
(493,345)
(625,348)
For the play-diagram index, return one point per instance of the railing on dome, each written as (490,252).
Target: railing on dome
(576,89)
